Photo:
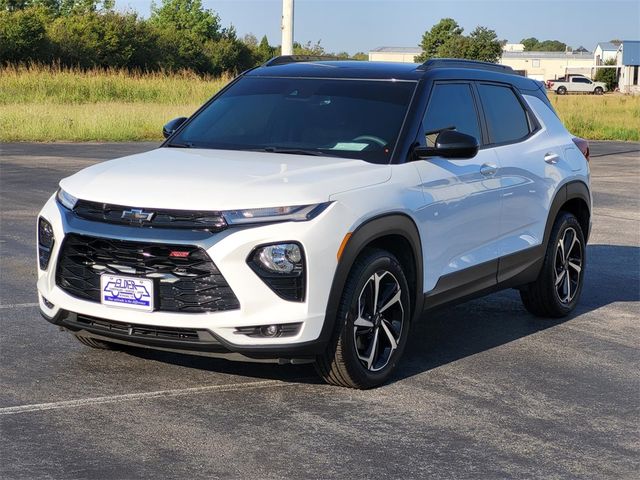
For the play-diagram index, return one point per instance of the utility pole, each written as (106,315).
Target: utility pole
(287,27)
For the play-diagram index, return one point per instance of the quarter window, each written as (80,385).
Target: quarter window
(506,118)
(451,105)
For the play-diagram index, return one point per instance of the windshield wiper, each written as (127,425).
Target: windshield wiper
(294,151)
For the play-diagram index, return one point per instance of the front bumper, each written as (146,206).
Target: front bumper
(229,249)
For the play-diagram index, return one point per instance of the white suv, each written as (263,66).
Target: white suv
(313,210)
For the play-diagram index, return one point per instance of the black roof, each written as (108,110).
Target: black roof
(436,69)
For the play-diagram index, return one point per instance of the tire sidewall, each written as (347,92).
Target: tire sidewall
(377,262)
(565,222)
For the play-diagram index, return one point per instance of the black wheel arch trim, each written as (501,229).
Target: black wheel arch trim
(575,189)
(394,223)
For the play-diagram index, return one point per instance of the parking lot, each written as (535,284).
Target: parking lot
(485,391)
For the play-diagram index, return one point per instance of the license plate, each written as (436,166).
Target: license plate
(129,292)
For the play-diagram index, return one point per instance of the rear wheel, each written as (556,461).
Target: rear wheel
(556,291)
(95,343)
(372,326)
(561,90)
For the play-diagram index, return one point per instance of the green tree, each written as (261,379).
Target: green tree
(484,45)
(454,47)
(186,16)
(308,48)
(608,75)
(264,51)
(360,56)
(442,32)
(530,43)
(22,35)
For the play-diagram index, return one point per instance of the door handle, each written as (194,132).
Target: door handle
(488,169)
(551,158)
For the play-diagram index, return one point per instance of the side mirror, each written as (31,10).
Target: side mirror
(450,144)
(172,126)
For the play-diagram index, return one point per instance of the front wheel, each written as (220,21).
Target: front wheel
(598,91)
(372,325)
(556,291)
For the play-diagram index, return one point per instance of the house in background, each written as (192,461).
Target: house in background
(394,54)
(604,52)
(548,65)
(628,59)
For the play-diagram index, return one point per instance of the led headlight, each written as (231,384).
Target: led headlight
(66,199)
(298,213)
(46,240)
(281,267)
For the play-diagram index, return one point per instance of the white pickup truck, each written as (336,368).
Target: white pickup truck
(576,84)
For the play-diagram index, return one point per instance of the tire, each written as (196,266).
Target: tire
(561,90)
(556,291)
(361,353)
(598,91)
(95,343)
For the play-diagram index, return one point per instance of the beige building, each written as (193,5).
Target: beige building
(548,65)
(394,54)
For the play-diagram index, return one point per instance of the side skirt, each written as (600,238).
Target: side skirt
(512,271)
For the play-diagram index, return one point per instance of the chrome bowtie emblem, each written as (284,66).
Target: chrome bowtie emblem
(137,215)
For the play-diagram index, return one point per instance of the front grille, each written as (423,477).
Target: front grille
(190,284)
(151,217)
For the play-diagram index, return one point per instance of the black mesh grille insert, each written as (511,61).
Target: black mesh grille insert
(182,284)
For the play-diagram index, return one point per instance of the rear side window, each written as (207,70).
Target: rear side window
(581,80)
(451,105)
(506,118)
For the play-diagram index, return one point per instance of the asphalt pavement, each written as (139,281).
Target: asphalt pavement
(485,390)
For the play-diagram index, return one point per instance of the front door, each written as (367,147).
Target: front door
(459,221)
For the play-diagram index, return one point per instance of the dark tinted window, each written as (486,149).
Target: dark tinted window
(451,105)
(346,118)
(581,80)
(506,119)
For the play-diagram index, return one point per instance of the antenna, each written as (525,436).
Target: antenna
(287,27)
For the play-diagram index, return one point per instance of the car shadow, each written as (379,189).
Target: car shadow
(452,333)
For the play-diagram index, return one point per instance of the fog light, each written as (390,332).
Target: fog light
(47,303)
(46,240)
(270,331)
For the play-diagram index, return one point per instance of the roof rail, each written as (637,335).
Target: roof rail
(461,63)
(285,59)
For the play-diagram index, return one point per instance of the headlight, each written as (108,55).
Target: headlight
(45,242)
(65,199)
(281,267)
(299,213)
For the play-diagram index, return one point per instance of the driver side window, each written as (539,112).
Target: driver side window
(451,105)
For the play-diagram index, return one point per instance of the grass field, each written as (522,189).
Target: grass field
(49,104)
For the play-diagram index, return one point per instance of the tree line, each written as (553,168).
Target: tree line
(178,35)
(182,35)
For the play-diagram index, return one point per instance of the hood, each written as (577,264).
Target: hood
(199,179)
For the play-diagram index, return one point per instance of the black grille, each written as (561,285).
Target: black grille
(191,284)
(151,217)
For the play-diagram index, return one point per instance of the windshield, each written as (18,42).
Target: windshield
(345,118)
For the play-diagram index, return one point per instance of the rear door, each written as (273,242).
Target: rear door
(581,84)
(459,220)
(528,175)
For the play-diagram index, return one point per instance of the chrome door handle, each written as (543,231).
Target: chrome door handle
(488,169)
(551,158)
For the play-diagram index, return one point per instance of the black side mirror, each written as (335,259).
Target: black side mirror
(450,144)
(172,126)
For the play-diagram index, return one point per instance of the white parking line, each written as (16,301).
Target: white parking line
(36,407)
(18,305)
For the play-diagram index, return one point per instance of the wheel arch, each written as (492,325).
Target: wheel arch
(395,232)
(572,197)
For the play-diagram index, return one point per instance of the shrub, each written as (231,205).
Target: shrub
(23,36)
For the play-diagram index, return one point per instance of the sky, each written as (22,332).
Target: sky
(362,25)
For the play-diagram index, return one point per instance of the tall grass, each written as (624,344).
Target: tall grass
(600,117)
(40,103)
